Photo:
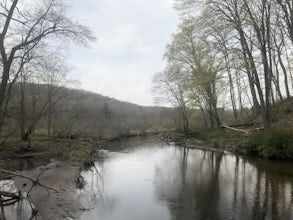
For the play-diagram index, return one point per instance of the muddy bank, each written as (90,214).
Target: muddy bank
(50,205)
(61,161)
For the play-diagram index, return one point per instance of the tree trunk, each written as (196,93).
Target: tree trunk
(231,86)
(282,66)
(251,71)
(22,116)
(3,85)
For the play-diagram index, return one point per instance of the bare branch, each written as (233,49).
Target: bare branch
(35,182)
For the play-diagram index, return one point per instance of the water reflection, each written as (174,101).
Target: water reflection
(211,185)
(168,182)
(23,164)
(10,205)
(22,210)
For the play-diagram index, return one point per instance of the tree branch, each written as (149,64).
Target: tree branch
(35,182)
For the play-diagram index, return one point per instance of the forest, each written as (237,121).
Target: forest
(229,55)
(228,63)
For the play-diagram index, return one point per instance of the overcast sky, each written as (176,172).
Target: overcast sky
(132,35)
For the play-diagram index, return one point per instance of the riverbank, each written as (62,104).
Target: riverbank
(62,162)
(58,163)
(274,144)
(184,184)
(59,175)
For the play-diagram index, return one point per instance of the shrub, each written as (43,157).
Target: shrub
(273,144)
(78,151)
(209,134)
(279,144)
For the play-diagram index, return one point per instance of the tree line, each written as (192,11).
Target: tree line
(56,112)
(228,54)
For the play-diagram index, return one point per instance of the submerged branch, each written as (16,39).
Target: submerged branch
(35,182)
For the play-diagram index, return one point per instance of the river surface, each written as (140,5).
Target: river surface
(146,180)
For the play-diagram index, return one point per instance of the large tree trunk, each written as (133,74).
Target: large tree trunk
(6,62)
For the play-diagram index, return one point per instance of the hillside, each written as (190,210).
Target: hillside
(282,114)
(58,111)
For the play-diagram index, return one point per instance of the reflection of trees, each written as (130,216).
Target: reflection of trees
(96,184)
(211,185)
(93,197)
(272,198)
(187,196)
(210,191)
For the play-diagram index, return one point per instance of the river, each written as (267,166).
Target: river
(143,180)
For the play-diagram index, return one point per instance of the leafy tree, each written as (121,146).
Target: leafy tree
(253,37)
(190,49)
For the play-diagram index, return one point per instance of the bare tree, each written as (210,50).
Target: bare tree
(25,25)
(169,86)
(286,7)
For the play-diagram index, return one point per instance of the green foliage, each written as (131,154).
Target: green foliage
(209,134)
(178,130)
(78,151)
(273,144)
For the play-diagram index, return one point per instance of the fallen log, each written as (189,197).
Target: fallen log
(242,125)
(246,132)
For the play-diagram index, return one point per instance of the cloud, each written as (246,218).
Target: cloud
(131,36)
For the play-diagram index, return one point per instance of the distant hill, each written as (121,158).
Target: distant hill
(82,112)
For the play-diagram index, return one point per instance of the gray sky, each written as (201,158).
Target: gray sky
(132,35)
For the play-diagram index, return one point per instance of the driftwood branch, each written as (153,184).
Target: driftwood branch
(8,198)
(35,182)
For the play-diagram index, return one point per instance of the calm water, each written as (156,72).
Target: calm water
(151,181)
